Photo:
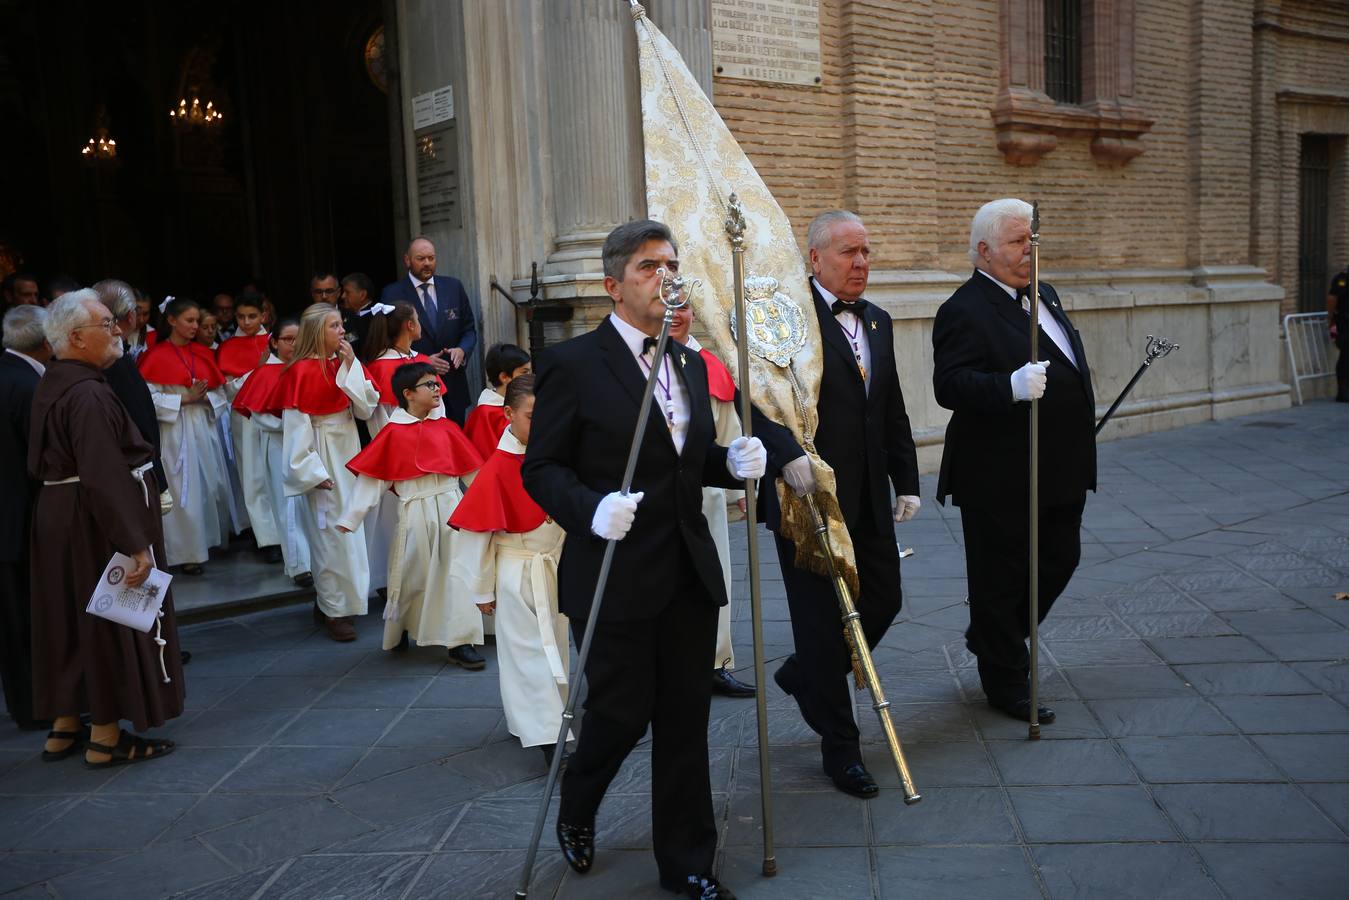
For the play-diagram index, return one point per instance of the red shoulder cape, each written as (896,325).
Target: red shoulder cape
(401,452)
(167,363)
(257,391)
(240,354)
(485,426)
(719,381)
(496,500)
(310,385)
(380,372)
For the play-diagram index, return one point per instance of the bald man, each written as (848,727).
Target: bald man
(448,333)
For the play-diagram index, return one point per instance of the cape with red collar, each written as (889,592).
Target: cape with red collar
(380,373)
(254,396)
(406,450)
(485,426)
(167,363)
(719,382)
(496,500)
(309,385)
(240,354)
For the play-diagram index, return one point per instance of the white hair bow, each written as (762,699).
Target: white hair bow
(163,306)
(377,309)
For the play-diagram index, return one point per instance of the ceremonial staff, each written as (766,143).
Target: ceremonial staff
(672,295)
(735,230)
(1035,478)
(1157,348)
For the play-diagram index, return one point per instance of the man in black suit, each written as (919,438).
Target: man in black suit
(657,626)
(448,333)
(864,435)
(125,378)
(981,347)
(21,365)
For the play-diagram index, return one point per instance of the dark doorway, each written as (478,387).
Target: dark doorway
(293,177)
(1313,222)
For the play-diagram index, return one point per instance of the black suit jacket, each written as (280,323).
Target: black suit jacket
(588,391)
(453,327)
(127,383)
(18,382)
(980,337)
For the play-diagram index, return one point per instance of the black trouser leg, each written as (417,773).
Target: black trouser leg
(1342,364)
(818,673)
(16,634)
(997,563)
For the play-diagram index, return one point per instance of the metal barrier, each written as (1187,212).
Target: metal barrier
(1308,337)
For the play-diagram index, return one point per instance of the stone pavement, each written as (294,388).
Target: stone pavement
(1199,665)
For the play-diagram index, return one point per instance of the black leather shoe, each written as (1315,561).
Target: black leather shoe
(466,657)
(304,580)
(699,887)
(578,845)
(856,780)
(726,684)
(1020,709)
(781,680)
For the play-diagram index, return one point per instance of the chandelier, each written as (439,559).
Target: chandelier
(194,114)
(101,148)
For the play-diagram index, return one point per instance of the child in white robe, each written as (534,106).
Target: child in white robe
(186,387)
(238,357)
(419,458)
(507,552)
(487,421)
(319,392)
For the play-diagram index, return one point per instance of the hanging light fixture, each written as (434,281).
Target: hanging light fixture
(101,148)
(195,114)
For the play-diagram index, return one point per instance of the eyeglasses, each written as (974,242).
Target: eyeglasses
(429,385)
(286,340)
(324,292)
(107,325)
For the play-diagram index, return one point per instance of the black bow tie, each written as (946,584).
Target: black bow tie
(853,306)
(1023,292)
(648,344)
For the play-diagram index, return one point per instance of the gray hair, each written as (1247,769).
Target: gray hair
(65,314)
(822,227)
(991,218)
(117,296)
(24,328)
(627,239)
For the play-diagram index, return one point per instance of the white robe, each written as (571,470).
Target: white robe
(316,449)
(265,469)
(196,471)
(519,571)
(250,465)
(421,599)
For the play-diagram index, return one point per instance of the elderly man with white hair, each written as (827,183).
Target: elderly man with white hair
(98,497)
(21,365)
(982,373)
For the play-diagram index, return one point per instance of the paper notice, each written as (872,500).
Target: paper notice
(135,607)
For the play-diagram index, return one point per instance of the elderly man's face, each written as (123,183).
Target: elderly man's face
(1008,257)
(843,266)
(25,293)
(353,298)
(324,290)
(421,260)
(98,341)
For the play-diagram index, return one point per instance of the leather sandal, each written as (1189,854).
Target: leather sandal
(77,741)
(130,748)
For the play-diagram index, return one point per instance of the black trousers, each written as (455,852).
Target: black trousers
(652,672)
(997,562)
(1342,364)
(16,635)
(818,673)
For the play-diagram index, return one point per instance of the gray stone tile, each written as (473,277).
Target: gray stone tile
(429,660)
(123,822)
(1159,716)
(1285,715)
(237,887)
(22,867)
(1089,814)
(915,722)
(1197,758)
(1245,678)
(1060,762)
(1105,652)
(1123,872)
(972,815)
(798,819)
(1248,871)
(408,793)
(955,873)
(1333,799)
(156,872)
(332,662)
(1112,682)
(336,728)
(1084,628)
(280,692)
(482,873)
(285,832)
(1228,648)
(1073,720)
(1053,686)
(444,728)
(374,693)
(33,776)
(1308,757)
(333,875)
(233,728)
(423,834)
(219,809)
(1254,599)
(1331,676)
(1245,812)
(187,770)
(295,770)
(237,662)
(204,691)
(506,824)
(814,872)
(1278,621)
(478,689)
(378,762)
(1328,645)
(1179,624)
(932,765)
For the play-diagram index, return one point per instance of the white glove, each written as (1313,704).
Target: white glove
(613,517)
(800,476)
(1028,382)
(746,458)
(906,507)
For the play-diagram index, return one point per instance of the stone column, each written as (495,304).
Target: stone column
(688,25)
(595,127)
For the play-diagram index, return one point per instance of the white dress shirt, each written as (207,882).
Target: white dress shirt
(854,331)
(1048,323)
(670,396)
(431,290)
(38,367)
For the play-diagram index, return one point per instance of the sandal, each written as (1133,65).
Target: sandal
(130,748)
(193,569)
(77,741)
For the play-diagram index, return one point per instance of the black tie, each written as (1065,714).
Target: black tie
(428,301)
(853,306)
(649,343)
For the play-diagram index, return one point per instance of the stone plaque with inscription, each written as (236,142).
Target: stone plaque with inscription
(767,40)
(438,176)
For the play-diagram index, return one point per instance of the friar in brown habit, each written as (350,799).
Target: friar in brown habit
(98,497)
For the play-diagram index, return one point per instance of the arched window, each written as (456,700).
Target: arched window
(1063,50)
